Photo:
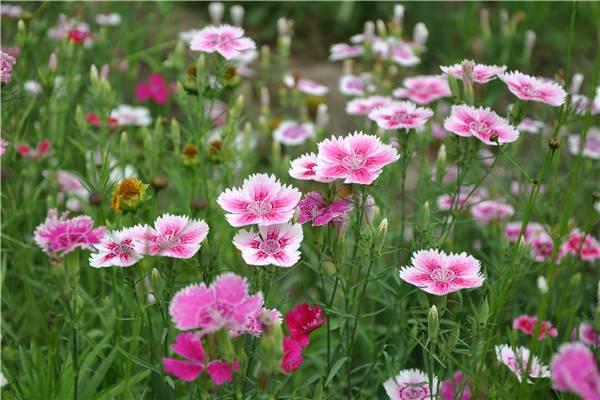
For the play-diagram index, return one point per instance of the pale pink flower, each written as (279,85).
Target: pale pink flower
(574,370)
(272,245)
(61,235)
(364,106)
(262,200)
(112,19)
(411,384)
(527,324)
(314,208)
(7,62)
(172,236)
(216,111)
(527,87)
(70,187)
(582,244)
(517,187)
(401,115)
(402,54)
(591,148)
(292,133)
(117,249)
(357,158)
(491,210)
(11,10)
(3,146)
(455,388)
(462,199)
(535,236)
(342,51)
(438,273)
(481,73)
(303,168)
(424,89)
(517,361)
(307,86)
(129,115)
(227,40)
(438,131)
(531,126)
(588,335)
(224,304)
(449,177)
(351,85)
(482,123)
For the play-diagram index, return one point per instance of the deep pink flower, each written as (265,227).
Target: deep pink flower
(527,324)
(517,360)
(491,210)
(302,320)
(342,51)
(401,115)
(424,89)
(455,388)
(155,89)
(42,149)
(481,73)
(223,304)
(464,198)
(574,369)
(439,273)
(60,235)
(253,325)
(357,158)
(588,335)
(527,87)
(314,208)
(535,235)
(7,62)
(303,168)
(364,106)
(582,244)
(117,249)
(482,123)
(271,245)
(189,346)
(80,36)
(411,384)
(591,147)
(261,200)
(307,86)
(292,355)
(531,126)
(351,85)
(292,133)
(227,40)
(172,236)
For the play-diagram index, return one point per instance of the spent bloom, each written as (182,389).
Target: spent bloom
(481,73)
(527,324)
(227,40)
(411,384)
(129,115)
(400,115)
(272,245)
(582,244)
(59,234)
(491,210)
(117,249)
(154,88)
(517,360)
(303,168)
(7,62)
(364,106)
(356,158)
(128,194)
(226,303)
(574,370)
(172,236)
(292,133)
(342,51)
(482,123)
(313,208)
(302,320)
(438,273)
(591,147)
(262,200)
(455,388)
(307,86)
(424,89)
(530,88)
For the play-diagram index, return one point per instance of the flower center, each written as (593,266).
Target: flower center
(413,393)
(261,207)
(353,161)
(442,275)
(270,246)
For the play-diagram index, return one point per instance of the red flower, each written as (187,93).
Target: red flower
(79,36)
(302,320)
(292,354)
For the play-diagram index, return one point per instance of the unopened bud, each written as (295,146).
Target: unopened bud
(467,68)
(453,83)
(433,323)
(576,82)
(322,119)
(369,29)
(124,140)
(95,199)
(265,100)
(484,22)
(381,29)
(237,14)
(283,26)
(381,233)
(530,37)
(554,143)
(94,76)
(504,21)
(425,215)
(542,284)
(52,62)
(420,34)
(104,71)
(216,10)
(159,182)
(198,203)
(398,14)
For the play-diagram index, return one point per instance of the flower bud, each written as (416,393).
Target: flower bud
(94,76)
(420,34)
(398,16)
(52,62)
(542,284)
(322,119)
(467,67)
(381,29)
(95,199)
(381,234)
(484,22)
(216,10)
(484,312)
(504,21)
(433,324)
(270,343)
(237,14)
(104,71)
(265,100)
(530,37)
(424,216)
(454,89)
(284,26)
(576,82)
(369,29)
(198,203)
(159,182)
(554,143)
(175,135)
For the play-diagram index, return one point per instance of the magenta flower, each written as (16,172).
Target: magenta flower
(438,273)
(155,89)
(172,236)
(223,304)
(227,40)
(491,210)
(411,384)
(364,106)
(401,115)
(455,388)
(262,200)
(588,335)
(117,249)
(302,320)
(357,158)
(342,51)
(424,89)
(292,355)
(272,245)
(527,324)
(7,62)
(482,123)
(574,370)
(306,86)
(42,149)
(314,208)
(481,73)
(189,346)
(582,244)
(527,87)
(292,133)
(303,168)
(530,125)
(517,360)
(591,147)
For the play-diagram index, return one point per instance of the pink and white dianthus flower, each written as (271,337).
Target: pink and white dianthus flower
(342,51)
(535,235)
(527,87)
(352,85)
(226,303)
(292,133)
(302,320)
(172,236)
(438,273)
(11,10)
(129,115)
(588,335)
(400,115)
(530,125)
(306,86)
(481,73)
(527,324)
(591,147)
(227,40)
(403,54)
(189,346)
(154,88)
(582,244)
(455,388)
(3,146)
(272,245)
(491,210)
(261,200)
(482,123)
(424,89)
(462,199)
(61,235)
(42,149)
(356,158)
(254,325)
(364,106)
(517,360)
(117,249)
(411,384)
(7,62)
(574,370)
(303,168)
(112,19)
(313,208)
